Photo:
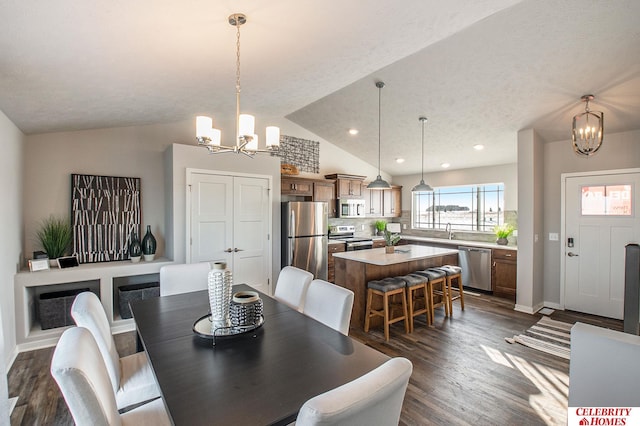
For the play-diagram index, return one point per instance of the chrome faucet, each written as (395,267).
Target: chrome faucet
(449,230)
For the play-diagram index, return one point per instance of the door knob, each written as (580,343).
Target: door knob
(571,254)
(229,250)
(237,250)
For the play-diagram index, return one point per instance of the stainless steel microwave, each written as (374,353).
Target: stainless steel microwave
(350,207)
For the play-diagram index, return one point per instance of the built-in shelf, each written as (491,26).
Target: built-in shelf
(102,278)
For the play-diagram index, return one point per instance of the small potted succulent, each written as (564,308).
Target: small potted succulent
(503,232)
(55,236)
(381,226)
(391,240)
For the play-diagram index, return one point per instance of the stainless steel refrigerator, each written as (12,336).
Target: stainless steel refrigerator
(304,231)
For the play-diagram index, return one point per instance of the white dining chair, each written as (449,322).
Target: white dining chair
(373,399)
(132,378)
(78,368)
(184,278)
(292,285)
(330,304)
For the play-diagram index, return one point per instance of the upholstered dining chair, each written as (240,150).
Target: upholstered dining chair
(131,376)
(78,368)
(292,285)
(373,399)
(330,304)
(184,278)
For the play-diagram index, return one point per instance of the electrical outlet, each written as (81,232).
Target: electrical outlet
(553,236)
(362,227)
(404,226)
(535,238)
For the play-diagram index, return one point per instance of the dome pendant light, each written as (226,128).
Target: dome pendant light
(422,187)
(379,183)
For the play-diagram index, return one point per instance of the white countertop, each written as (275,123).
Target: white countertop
(402,254)
(456,243)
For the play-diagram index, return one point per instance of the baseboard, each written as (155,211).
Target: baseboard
(529,309)
(12,359)
(554,305)
(12,404)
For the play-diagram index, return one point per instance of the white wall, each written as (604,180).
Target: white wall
(11,164)
(507,173)
(618,151)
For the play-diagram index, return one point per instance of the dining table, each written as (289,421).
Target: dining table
(257,377)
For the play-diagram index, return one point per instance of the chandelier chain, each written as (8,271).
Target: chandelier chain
(238,57)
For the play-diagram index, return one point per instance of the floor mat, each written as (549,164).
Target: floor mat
(547,335)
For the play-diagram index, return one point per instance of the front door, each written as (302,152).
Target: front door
(229,221)
(601,218)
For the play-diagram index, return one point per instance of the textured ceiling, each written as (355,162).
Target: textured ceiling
(480,71)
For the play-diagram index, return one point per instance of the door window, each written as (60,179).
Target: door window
(606,200)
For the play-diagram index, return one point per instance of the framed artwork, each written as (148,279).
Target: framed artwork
(105,211)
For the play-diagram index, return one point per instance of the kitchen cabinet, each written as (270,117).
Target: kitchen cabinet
(379,243)
(296,186)
(504,273)
(326,191)
(373,202)
(347,186)
(331,268)
(392,202)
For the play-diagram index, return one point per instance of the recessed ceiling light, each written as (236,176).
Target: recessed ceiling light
(353,131)
(478,147)
(445,165)
(399,160)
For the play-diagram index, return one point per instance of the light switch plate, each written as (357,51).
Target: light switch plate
(553,236)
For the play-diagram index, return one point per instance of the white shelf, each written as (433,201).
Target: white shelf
(27,284)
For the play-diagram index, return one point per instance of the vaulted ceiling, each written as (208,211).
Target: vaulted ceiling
(479,71)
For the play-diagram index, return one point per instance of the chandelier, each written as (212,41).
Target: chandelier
(246,140)
(422,187)
(588,130)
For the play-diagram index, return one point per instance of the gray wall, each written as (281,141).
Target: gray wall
(11,189)
(619,151)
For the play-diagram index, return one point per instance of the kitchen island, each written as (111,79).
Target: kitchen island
(353,269)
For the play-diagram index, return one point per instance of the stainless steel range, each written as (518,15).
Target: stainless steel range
(347,233)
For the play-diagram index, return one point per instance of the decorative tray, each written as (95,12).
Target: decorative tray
(203,328)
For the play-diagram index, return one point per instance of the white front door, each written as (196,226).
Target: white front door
(230,221)
(600,218)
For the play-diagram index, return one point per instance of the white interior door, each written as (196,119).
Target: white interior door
(601,218)
(230,221)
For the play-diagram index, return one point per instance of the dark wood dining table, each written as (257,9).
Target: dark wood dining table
(262,377)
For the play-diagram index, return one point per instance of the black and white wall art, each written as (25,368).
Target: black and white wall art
(105,211)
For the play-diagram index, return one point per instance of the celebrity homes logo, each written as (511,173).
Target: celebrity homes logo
(603,416)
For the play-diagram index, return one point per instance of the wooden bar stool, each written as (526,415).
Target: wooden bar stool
(386,288)
(453,273)
(418,303)
(437,286)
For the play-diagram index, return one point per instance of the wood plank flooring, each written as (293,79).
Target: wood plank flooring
(464,371)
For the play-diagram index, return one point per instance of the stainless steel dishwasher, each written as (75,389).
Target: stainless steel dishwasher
(476,267)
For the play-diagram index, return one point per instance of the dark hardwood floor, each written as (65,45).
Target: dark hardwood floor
(465,373)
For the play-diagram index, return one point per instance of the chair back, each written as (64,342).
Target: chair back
(78,368)
(373,399)
(330,304)
(184,278)
(292,285)
(87,312)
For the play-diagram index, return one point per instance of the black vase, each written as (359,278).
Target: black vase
(135,249)
(149,245)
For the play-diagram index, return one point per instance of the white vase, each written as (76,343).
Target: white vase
(220,283)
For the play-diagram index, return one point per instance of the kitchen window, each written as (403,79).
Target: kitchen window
(466,208)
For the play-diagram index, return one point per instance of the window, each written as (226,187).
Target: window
(466,208)
(607,200)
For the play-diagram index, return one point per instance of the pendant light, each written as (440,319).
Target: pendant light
(422,187)
(379,183)
(587,136)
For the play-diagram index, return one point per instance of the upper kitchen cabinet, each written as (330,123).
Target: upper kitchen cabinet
(383,203)
(347,186)
(392,201)
(296,186)
(326,191)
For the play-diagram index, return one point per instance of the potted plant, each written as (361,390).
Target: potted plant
(55,236)
(503,232)
(381,226)
(391,240)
